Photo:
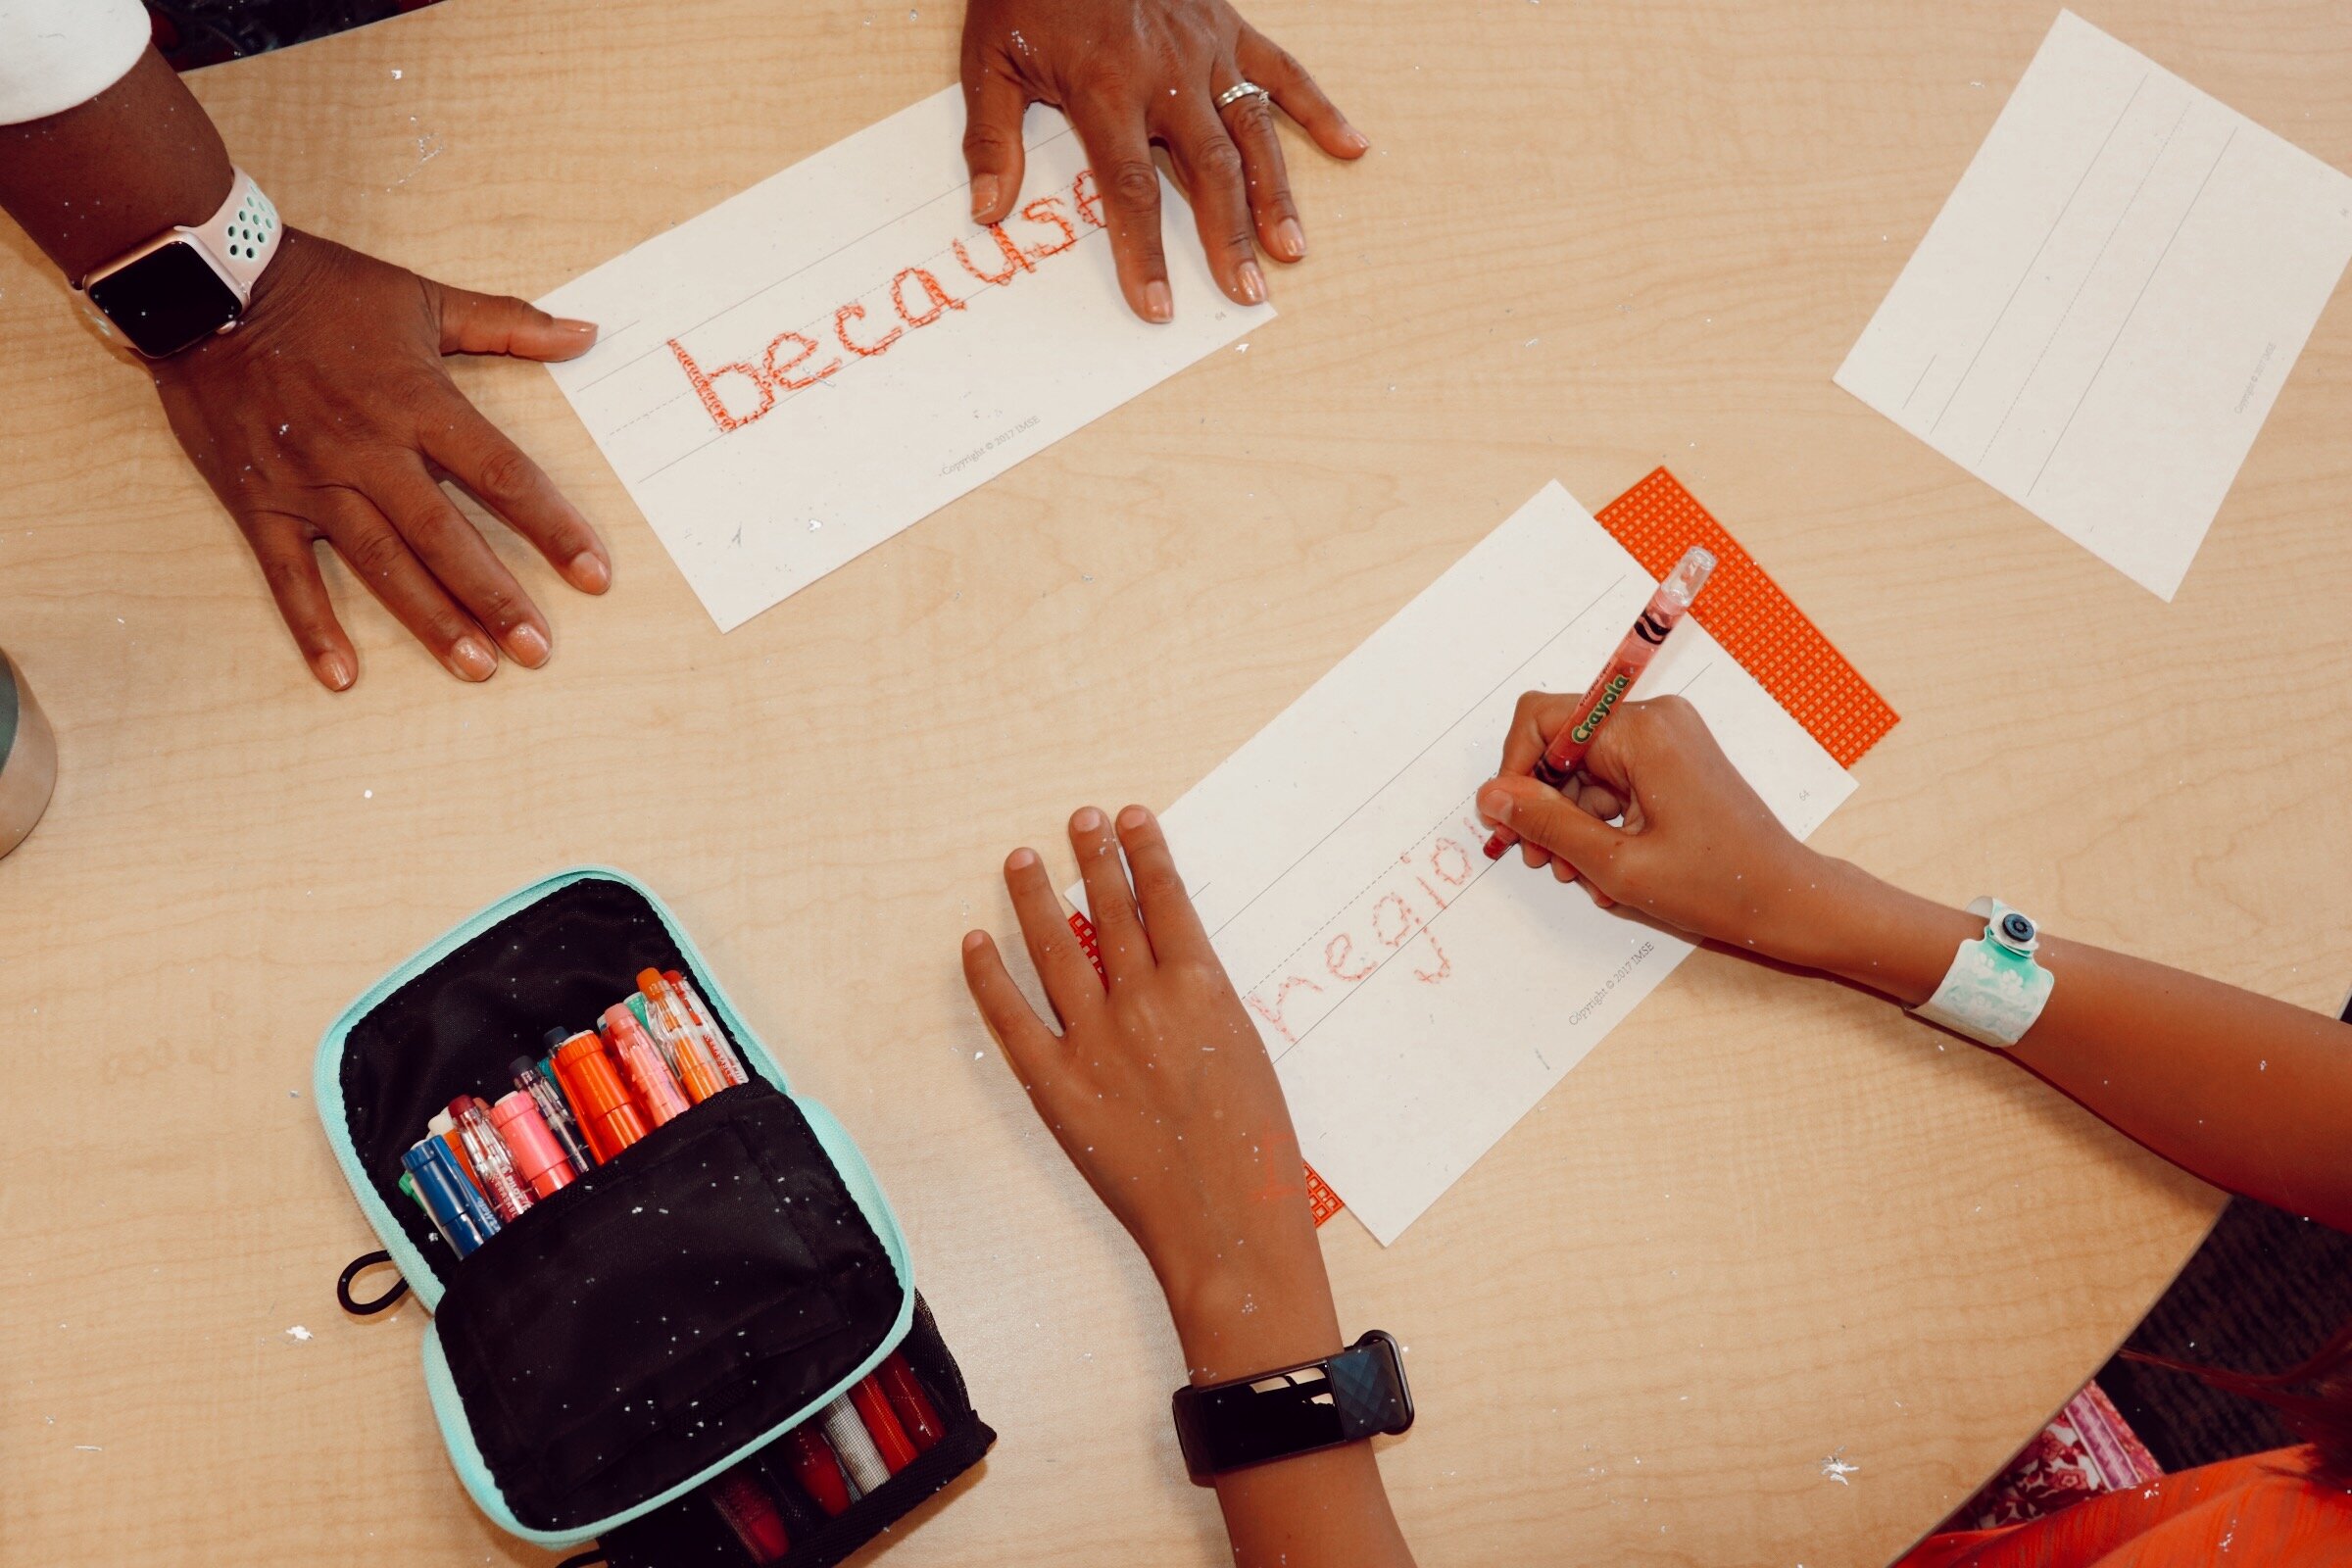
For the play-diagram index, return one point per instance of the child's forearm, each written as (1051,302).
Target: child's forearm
(2250,1093)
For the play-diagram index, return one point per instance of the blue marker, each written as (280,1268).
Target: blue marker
(462,1214)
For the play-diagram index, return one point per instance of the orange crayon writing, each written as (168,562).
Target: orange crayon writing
(781,375)
(705,387)
(855,312)
(1380,923)
(741,392)
(1014,261)
(940,298)
(1047,210)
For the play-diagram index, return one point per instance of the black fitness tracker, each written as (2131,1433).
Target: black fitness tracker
(1294,1409)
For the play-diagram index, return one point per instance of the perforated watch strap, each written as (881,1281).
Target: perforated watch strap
(242,236)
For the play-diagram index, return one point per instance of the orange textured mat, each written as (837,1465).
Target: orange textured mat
(1657,521)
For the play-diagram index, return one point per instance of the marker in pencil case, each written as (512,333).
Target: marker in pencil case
(1664,611)
(751,1513)
(818,1469)
(530,1078)
(464,1220)
(912,1405)
(538,1161)
(715,1039)
(849,1440)
(444,1127)
(609,1118)
(657,1094)
(493,1167)
(890,1444)
(697,1075)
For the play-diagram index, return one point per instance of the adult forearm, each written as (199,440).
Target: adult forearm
(2248,1093)
(92,182)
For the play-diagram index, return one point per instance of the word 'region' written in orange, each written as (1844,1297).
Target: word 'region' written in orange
(744,391)
(1379,925)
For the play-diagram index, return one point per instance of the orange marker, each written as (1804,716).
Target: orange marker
(697,1075)
(608,1117)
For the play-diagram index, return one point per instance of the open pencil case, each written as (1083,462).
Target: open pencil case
(676,1310)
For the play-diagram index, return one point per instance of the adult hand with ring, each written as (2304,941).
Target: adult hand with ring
(1185,75)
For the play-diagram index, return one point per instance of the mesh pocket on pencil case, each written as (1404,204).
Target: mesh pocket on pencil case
(663,1310)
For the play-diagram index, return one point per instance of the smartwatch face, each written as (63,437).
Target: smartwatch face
(1288,1413)
(165,300)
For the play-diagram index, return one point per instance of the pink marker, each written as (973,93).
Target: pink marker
(1665,610)
(537,1159)
(641,1064)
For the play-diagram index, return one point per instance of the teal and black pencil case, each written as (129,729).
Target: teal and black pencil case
(668,1326)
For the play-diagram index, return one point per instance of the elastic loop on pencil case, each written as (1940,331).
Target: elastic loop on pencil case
(352,1271)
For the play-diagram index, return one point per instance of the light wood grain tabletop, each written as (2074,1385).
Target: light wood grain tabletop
(1768,1221)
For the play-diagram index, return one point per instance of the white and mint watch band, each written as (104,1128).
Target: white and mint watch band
(1995,990)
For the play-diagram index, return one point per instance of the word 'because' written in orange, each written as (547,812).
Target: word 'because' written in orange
(737,393)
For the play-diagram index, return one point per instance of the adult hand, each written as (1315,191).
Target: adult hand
(1161,1094)
(328,415)
(1130,72)
(1695,846)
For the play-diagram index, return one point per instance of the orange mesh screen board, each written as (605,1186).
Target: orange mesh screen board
(1656,520)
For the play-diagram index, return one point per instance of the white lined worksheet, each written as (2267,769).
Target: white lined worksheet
(2098,321)
(1418,999)
(819,362)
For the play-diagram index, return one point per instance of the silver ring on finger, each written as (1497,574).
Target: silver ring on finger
(1240,91)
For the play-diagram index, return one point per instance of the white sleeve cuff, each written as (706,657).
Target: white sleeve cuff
(54,54)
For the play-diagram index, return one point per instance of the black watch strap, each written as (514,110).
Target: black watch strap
(1295,1409)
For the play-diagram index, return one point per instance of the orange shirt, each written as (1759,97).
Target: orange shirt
(2266,1508)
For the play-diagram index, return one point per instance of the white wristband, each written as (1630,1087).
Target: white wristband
(1995,990)
(242,236)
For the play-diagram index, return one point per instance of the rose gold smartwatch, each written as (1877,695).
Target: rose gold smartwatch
(187,283)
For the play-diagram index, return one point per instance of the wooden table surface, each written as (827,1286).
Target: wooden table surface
(1768,1221)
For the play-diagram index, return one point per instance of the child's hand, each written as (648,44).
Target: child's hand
(1162,1096)
(1697,848)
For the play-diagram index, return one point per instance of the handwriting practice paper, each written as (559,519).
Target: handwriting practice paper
(2098,321)
(813,364)
(1417,998)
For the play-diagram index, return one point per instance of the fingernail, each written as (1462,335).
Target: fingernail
(1159,304)
(335,669)
(1253,283)
(1497,804)
(1133,817)
(1290,239)
(588,573)
(1020,861)
(1088,819)
(984,195)
(528,644)
(1351,137)
(472,660)
(573,325)
(973,941)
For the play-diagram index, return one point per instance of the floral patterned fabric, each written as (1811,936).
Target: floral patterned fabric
(2089,1448)
(204,32)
